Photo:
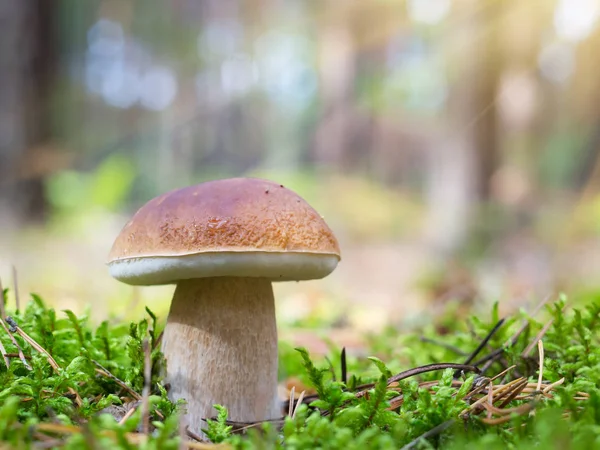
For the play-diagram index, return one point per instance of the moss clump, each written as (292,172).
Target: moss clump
(65,384)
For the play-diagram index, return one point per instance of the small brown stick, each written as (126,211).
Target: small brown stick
(2,316)
(482,344)
(452,348)
(511,395)
(363,388)
(238,427)
(527,407)
(430,384)
(100,370)
(504,372)
(17,329)
(499,393)
(298,403)
(4,355)
(478,387)
(291,401)
(540,335)
(489,359)
(396,402)
(16,355)
(146,390)
(14,341)
(490,399)
(16,288)
(128,414)
(158,340)
(417,371)
(504,411)
(194,435)
(541,353)
(513,339)
(553,385)
(433,432)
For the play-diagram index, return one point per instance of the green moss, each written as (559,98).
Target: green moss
(76,386)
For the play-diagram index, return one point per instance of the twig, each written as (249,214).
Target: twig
(146,390)
(506,413)
(527,407)
(291,401)
(481,345)
(129,413)
(158,340)
(344,366)
(488,360)
(540,335)
(504,372)
(541,353)
(298,403)
(490,399)
(484,342)
(194,435)
(17,329)
(100,370)
(417,371)
(363,388)
(431,368)
(433,432)
(16,355)
(512,394)
(513,339)
(445,345)
(4,355)
(557,383)
(14,341)
(499,393)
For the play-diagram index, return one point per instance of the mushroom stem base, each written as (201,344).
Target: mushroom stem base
(220,343)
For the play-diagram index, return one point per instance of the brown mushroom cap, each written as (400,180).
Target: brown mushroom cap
(243,227)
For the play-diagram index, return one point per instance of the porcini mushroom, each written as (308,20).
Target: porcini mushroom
(222,243)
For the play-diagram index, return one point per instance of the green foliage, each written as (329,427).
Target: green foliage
(331,394)
(92,367)
(99,371)
(71,193)
(218,430)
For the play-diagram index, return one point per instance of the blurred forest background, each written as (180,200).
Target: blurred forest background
(453,145)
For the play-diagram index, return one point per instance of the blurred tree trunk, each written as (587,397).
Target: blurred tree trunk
(26,69)
(461,168)
(586,104)
(336,71)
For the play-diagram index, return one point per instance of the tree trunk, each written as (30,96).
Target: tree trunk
(26,70)
(461,168)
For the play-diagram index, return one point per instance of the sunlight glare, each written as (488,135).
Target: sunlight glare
(574,20)
(429,12)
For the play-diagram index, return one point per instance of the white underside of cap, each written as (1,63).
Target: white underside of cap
(289,266)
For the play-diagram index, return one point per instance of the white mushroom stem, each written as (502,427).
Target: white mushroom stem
(220,343)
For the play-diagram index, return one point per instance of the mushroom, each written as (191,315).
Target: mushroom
(222,243)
